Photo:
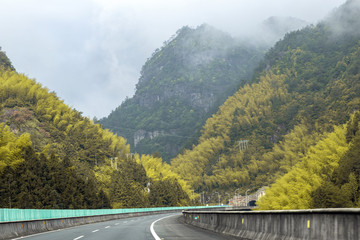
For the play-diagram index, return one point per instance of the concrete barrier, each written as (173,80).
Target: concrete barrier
(15,229)
(326,224)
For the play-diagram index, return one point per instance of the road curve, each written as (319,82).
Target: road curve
(168,227)
(173,227)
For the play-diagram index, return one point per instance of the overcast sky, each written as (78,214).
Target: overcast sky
(90,52)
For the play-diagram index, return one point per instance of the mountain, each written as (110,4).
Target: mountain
(53,157)
(180,86)
(288,117)
(274,28)
(328,175)
(5,62)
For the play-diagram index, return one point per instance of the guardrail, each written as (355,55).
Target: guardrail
(335,224)
(22,222)
(14,214)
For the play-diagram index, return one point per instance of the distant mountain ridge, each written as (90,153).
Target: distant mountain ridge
(274,28)
(180,86)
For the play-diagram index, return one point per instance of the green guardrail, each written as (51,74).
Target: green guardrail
(14,214)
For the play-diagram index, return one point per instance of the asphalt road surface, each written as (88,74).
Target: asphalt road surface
(162,226)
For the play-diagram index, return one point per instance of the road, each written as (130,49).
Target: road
(165,226)
(174,228)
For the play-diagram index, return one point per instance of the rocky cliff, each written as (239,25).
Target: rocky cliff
(181,85)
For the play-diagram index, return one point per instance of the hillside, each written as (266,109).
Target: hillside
(180,86)
(53,157)
(307,84)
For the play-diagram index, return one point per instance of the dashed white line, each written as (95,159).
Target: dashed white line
(107,226)
(95,230)
(79,237)
(116,223)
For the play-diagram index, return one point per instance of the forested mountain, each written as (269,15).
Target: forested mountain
(289,118)
(180,86)
(53,157)
(274,28)
(294,126)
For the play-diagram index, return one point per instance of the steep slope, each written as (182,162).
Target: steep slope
(52,157)
(274,28)
(342,188)
(328,176)
(180,86)
(307,83)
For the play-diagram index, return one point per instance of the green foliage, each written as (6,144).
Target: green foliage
(329,176)
(126,190)
(5,63)
(167,193)
(294,189)
(342,188)
(327,195)
(166,188)
(11,148)
(41,182)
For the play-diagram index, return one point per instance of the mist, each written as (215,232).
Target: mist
(91,52)
(342,22)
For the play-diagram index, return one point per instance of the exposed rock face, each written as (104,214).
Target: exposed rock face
(141,134)
(138,136)
(196,98)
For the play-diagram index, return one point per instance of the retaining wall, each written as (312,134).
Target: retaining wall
(326,224)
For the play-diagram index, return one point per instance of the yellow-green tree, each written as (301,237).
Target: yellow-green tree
(294,189)
(11,147)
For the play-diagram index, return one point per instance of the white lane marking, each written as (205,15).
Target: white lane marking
(79,237)
(32,235)
(107,226)
(152,228)
(125,221)
(116,223)
(95,230)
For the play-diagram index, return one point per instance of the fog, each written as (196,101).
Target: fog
(91,52)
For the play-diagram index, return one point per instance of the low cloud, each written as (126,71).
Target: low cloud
(91,52)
